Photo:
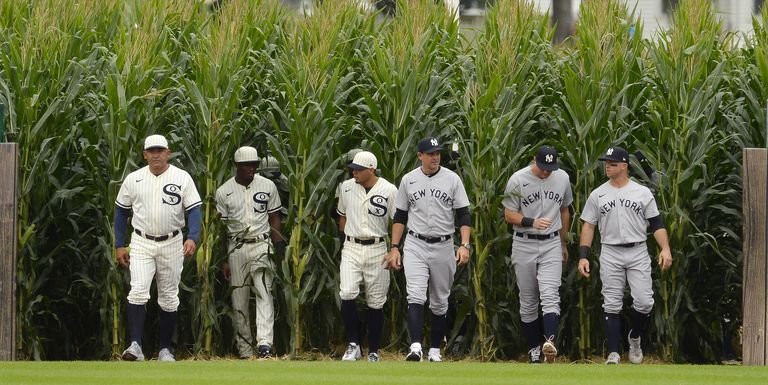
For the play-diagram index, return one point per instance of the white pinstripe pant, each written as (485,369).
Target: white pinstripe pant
(252,271)
(362,264)
(160,260)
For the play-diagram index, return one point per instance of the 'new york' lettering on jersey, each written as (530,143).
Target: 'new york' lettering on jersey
(160,202)
(246,209)
(430,201)
(621,214)
(367,213)
(533,197)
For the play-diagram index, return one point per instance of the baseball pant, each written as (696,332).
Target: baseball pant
(619,265)
(429,265)
(538,268)
(363,264)
(160,260)
(252,271)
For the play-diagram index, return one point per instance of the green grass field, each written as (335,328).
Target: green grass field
(335,372)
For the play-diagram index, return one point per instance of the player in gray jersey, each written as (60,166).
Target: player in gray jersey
(431,200)
(536,201)
(624,212)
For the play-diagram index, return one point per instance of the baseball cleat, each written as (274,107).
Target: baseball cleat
(415,353)
(265,351)
(534,355)
(434,355)
(133,353)
(635,350)
(549,350)
(352,353)
(165,355)
(613,359)
(373,357)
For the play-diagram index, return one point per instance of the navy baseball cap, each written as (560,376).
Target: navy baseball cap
(546,158)
(429,145)
(615,154)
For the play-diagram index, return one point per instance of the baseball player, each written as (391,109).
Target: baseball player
(431,200)
(157,197)
(624,211)
(536,201)
(250,205)
(366,204)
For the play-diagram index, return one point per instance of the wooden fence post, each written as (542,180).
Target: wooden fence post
(755,238)
(9,155)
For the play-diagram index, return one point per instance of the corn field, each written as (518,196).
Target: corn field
(85,81)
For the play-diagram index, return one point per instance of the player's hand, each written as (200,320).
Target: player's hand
(584,267)
(542,223)
(123,258)
(227,272)
(462,255)
(564,245)
(665,259)
(189,247)
(391,261)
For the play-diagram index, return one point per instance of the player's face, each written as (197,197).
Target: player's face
(541,174)
(614,169)
(430,161)
(246,170)
(157,157)
(362,176)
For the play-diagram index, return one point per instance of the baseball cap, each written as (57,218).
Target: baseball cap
(429,145)
(546,158)
(363,160)
(616,154)
(155,141)
(246,154)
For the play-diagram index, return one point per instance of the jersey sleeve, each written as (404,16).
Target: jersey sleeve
(401,198)
(274,203)
(651,210)
(191,196)
(589,214)
(221,207)
(568,197)
(511,195)
(392,193)
(124,197)
(341,207)
(460,198)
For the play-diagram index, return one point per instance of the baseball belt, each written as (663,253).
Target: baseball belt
(157,238)
(439,239)
(365,242)
(540,237)
(255,239)
(628,245)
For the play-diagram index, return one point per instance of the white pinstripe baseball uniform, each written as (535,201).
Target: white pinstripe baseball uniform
(246,211)
(159,204)
(367,217)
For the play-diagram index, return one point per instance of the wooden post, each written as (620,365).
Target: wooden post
(755,237)
(9,156)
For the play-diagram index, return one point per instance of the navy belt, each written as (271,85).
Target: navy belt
(369,241)
(257,238)
(157,238)
(540,237)
(439,239)
(628,245)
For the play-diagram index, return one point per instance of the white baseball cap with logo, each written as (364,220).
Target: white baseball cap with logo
(155,141)
(246,154)
(363,160)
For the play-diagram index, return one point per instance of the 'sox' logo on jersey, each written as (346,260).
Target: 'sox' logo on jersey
(260,200)
(173,194)
(379,206)
(549,158)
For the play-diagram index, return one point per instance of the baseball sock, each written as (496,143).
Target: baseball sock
(136,314)
(349,315)
(550,325)
(415,321)
(375,325)
(613,331)
(439,327)
(638,322)
(531,333)
(167,324)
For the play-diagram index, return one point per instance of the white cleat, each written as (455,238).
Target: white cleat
(352,353)
(165,355)
(434,355)
(373,357)
(534,355)
(549,350)
(635,350)
(415,354)
(133,353)
(613,359)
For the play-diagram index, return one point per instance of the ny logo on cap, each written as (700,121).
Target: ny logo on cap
(609,152)
(548,158)
(433,141)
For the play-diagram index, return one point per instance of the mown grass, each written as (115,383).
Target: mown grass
(335,372)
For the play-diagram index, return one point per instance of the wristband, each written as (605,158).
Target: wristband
(584,252)
(526,222)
